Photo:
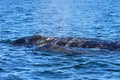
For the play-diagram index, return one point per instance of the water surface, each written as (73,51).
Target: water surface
(77,18)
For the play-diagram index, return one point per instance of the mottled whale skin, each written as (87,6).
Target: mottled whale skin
(59,44)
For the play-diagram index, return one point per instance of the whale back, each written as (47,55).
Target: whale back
(89,43)
(39,40)
(29,40)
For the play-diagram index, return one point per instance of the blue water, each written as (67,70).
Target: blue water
(83,18)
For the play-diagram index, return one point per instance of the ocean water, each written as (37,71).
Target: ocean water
(77,18)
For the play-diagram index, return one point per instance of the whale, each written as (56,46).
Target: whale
(62,44)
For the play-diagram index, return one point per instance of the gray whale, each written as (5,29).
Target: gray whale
(61,44)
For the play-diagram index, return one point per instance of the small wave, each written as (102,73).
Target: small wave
(113,70)
(5,41)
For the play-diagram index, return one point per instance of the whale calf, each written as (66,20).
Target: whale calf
(61,44)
